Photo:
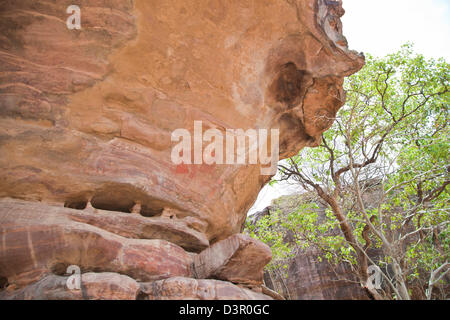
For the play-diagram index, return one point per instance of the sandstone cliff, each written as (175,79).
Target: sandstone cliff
(86,118)
(307,277)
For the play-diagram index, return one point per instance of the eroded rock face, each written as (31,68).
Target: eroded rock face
(95,286)
(307,277)
(86,118)
(39,239)
(191,289)
(239,259)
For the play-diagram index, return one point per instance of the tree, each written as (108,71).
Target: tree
(392,135)
(286,234)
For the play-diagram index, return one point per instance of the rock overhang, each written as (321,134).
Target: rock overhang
(86,115)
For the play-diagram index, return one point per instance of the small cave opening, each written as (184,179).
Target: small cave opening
(151,211)
(3,282)
(141,296)
(288,87)
(76,204)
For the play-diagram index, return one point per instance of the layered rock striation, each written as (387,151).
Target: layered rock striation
(86,118)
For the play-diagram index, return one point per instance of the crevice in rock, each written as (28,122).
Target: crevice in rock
(59,268)
(3,282)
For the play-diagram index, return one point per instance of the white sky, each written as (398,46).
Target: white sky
(380,27)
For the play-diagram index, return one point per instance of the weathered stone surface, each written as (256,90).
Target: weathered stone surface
(307,278)
(38,239)
(239,259)
(191,289)
(86,118)
(94,286)
(89,113)
(269,292)
(136,226)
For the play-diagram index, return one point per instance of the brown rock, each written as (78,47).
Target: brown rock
(309,279)
(191,289)
(306,277)
(38,239)
(94,286)
(271,293)
(239,259)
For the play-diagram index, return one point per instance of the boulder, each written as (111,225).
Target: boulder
(87,117)
(239,259)
(139,227)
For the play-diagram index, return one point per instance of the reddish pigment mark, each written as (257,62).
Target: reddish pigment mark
(182,169)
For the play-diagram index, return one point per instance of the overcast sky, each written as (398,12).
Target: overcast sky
(380,27)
